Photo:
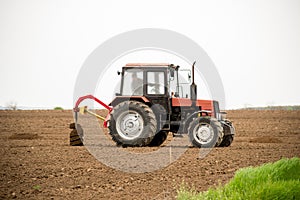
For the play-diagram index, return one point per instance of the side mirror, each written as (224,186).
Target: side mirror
(172,73)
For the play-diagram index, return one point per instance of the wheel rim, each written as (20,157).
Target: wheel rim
(203,133)
(130,125)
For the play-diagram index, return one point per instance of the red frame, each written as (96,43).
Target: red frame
(80,99)
(76,109)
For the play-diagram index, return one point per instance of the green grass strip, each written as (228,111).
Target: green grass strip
(279,180)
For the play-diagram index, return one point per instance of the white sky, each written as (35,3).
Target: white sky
(255,45)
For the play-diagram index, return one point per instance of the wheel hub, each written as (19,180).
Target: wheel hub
(130,125)
(204,133)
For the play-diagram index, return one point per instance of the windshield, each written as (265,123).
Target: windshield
(155,82)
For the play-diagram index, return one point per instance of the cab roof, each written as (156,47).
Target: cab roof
(147,64)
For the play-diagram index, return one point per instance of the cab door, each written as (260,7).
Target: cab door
(156,90)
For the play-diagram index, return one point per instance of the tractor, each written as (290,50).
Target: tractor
(155,99)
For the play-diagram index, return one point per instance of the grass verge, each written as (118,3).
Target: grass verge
(279,180)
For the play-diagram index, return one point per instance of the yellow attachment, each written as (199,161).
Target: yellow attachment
(84,110)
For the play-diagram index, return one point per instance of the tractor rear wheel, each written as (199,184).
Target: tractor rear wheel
(132,123)
(76,135)
(159,138)
(205,132)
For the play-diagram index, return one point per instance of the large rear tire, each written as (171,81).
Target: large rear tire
(205,132)
(132,123)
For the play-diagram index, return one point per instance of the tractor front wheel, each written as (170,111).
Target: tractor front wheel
(132,123)
(205,132)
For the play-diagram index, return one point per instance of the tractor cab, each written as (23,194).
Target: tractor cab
(156,82)
(159,85)
(154,79)
(140,79)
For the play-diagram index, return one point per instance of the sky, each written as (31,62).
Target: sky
(255,45)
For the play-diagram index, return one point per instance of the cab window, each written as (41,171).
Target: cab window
(155,83)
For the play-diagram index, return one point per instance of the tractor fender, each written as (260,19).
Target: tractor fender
(192,116)
(228,127)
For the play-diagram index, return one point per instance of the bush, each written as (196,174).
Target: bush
(58,108)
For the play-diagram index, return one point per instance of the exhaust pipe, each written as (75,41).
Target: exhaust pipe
(193,87)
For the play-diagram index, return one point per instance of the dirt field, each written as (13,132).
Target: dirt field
(38,163)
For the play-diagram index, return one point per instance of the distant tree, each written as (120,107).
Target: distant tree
(12,105)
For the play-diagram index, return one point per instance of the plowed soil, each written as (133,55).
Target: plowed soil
(38,163)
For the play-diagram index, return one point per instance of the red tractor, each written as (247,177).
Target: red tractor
(155,99)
